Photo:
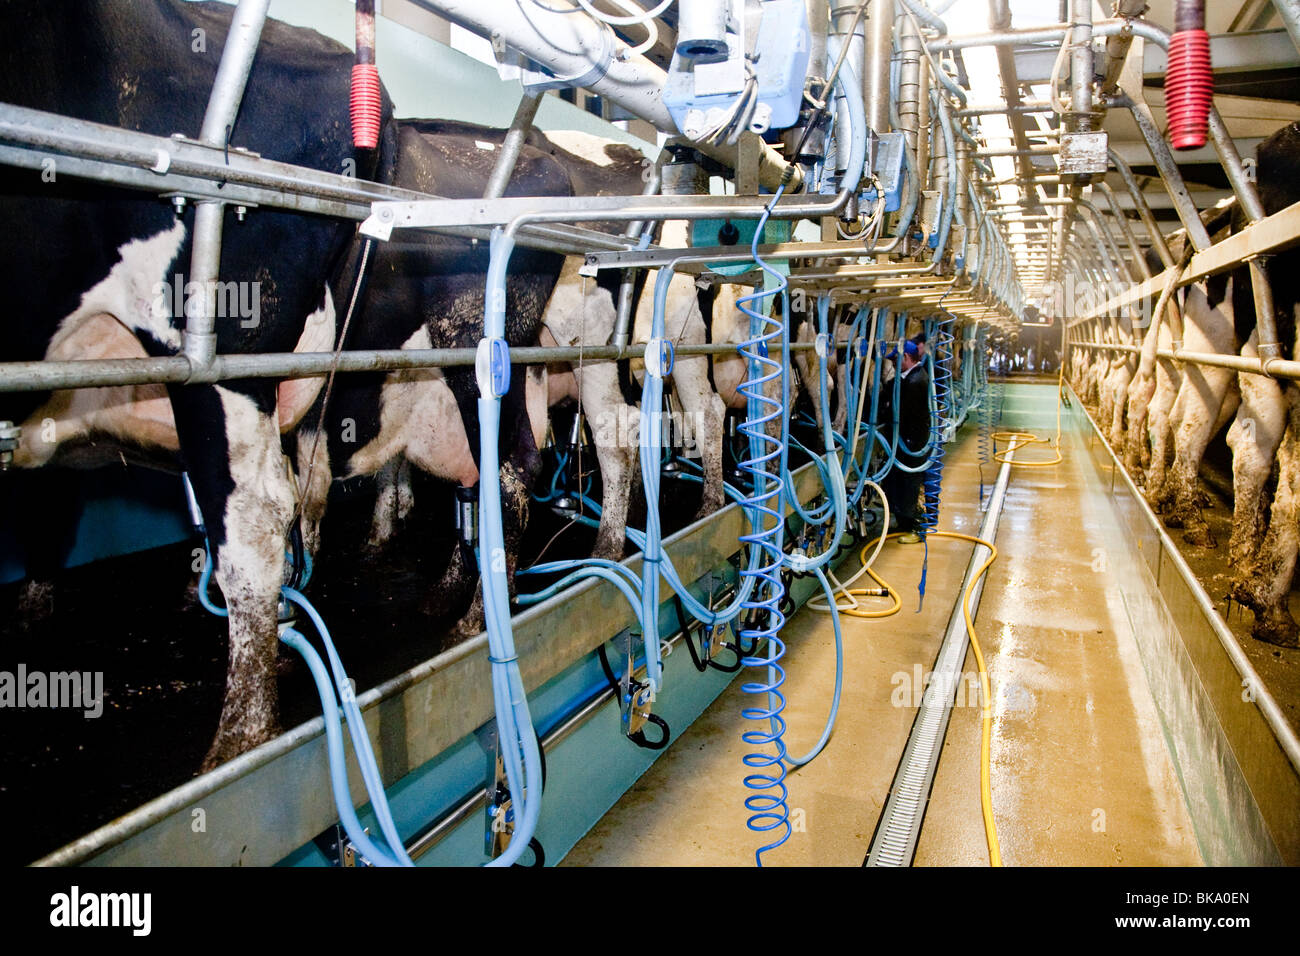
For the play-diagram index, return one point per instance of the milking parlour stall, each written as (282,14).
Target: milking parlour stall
(660,433)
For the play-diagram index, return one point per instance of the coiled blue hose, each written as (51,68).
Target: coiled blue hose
(767,804)
(986,409)
(941,361)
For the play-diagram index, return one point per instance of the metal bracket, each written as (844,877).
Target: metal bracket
(635,697)
(499,818)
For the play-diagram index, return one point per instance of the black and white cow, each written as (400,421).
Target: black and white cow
(410,418)
(85,261)
(427,291)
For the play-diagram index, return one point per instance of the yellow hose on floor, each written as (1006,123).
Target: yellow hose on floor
(1022,439)
(986,693)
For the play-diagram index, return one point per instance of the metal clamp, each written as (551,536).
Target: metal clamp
(10,434)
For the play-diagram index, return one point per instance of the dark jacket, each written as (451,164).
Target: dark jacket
(914,413)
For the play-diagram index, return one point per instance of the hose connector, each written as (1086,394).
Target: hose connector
(1189,80)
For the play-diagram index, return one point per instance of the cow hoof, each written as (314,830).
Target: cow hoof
(1200,537)
(472,624)
(707,508)
(35,604)
(608,551)
(228,746)
(468,627)
(1281,632)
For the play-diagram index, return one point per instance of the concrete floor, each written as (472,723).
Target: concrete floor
(1080,773)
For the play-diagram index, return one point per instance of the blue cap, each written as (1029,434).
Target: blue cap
(911,348)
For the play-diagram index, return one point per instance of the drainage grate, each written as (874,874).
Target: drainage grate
(894,842)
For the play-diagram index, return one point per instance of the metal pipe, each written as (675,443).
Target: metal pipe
(1080,117)
(131,159)
(1289,12)
(1001,37)
(964,201)
(1045,149)
(846,23)
(702,27)
(909,81)
(1103,233)
(1277,368)
(627,286)
(1223,142)
(897,833)
(818,23)
(1129,236)
(512,144)
(48,375)
(1024,108)
(1000,20)
(1143,209)
(1230,159)
(924,127)
(879,54)
(1117,45)
(200,339)
(1168,169)
(232,73)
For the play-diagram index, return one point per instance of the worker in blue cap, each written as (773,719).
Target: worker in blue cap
(902,487)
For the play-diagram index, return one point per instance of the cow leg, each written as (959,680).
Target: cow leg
(1206,397)
(617,451)
(703,408)
(1135,441)
(1108,400)
(1254,439)
(520,465)
(1162,419)
(1265,585)
(247,504)
(1123,377)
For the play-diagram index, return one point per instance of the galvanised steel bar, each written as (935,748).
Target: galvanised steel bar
(200,339)
(177,369)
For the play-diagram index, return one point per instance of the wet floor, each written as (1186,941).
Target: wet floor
(1080,774)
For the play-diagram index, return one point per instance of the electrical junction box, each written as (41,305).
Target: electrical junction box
(1084,154)
(701,91)
(931,212)
(888,169)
